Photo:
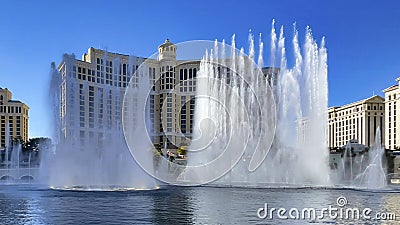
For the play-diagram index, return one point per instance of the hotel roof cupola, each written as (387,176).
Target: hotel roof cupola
(167,51)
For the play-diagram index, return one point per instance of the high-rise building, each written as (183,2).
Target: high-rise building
(92,91)
(13,119)
(392,140)
(357,121)
(91,94)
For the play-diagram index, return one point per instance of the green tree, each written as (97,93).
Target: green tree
(182,150)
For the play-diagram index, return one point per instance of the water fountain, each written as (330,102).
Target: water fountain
(238,109)
(84,163)
(254,126)
(12,169)
(16,152)
(373,174)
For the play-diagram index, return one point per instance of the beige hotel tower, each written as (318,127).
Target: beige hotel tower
(13,119)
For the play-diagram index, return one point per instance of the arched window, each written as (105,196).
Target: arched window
(194,72)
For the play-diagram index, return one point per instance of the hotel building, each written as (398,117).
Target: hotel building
(357,121)
(92,91)
(392,141)
(13,119)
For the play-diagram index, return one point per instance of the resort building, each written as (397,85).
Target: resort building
(356,121)
(392,141)
(13,119)
(92,91)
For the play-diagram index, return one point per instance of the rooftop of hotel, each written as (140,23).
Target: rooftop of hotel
(372,98)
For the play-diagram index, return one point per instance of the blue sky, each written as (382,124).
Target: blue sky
(363,38)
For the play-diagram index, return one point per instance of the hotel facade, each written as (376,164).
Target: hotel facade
(357,121)
(392,97)
(14,116)
(92,91)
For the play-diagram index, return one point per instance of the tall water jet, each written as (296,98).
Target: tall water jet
(86,156)
(8,147)
(136,120)
(374,175)
(248,104)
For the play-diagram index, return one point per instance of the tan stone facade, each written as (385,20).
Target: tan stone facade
(357,121)
(13,118)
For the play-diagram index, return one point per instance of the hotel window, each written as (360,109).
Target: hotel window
(100,106)
(183,100)
(82,121)
(181,74)
(117,109)
(91,106)
(74,71)
(109,109)
(91,135)
(194,73)
(190,74)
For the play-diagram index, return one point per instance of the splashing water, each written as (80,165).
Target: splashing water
(374,174)
(81,162)
(238,108)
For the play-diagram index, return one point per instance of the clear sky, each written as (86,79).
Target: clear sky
(363,38)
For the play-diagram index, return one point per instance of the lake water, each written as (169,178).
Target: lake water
(30,204)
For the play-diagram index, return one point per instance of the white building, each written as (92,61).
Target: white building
(357,121)
(92,91)
(392,95)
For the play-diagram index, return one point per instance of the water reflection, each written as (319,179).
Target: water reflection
(179,205)
(391,205)
(17,208)
(173,205)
